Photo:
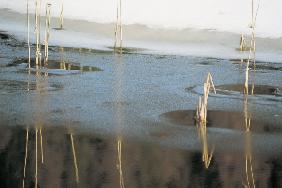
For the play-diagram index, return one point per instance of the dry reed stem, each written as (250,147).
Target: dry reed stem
(252,51)
(243,43)
(201,114)
(118,30)
(201,118)
(28,32)
(119,165)
(47,31)
(62,16)
(37,32)
(26,152)
(74,159)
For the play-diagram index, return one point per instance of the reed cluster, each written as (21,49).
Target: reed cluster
(201,113)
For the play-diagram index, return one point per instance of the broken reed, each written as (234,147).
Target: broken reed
(201,113)
(118,30)
(47,31)
(201,120)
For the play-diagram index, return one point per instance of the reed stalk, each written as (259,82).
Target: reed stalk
(37,32)
(252,51)
(62,16)
(47,31)
(28,32)
(74,159)
(118,30)
(201,119)
(201,113)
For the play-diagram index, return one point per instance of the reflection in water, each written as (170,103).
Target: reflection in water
(146,165)
(206,155)
(26,153)
(119,108)
(250,180)
(74,159)
(119,165)
(201,120)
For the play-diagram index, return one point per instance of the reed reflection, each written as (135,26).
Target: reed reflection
(201,121)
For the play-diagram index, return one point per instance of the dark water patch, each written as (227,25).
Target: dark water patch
(80,50)
(4,35)
(257,89)
(219,119)
(10,40)
(56,64)
(269,67)
(260,65)
(59,29)
(13,86)
(127,50)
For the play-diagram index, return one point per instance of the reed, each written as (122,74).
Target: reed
(201,114)
(74,159)
(62,16)
(252,50)
(47,31)
(118,30)
(37,32)
(28,32)
(201,121)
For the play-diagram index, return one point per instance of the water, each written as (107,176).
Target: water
(131,124)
